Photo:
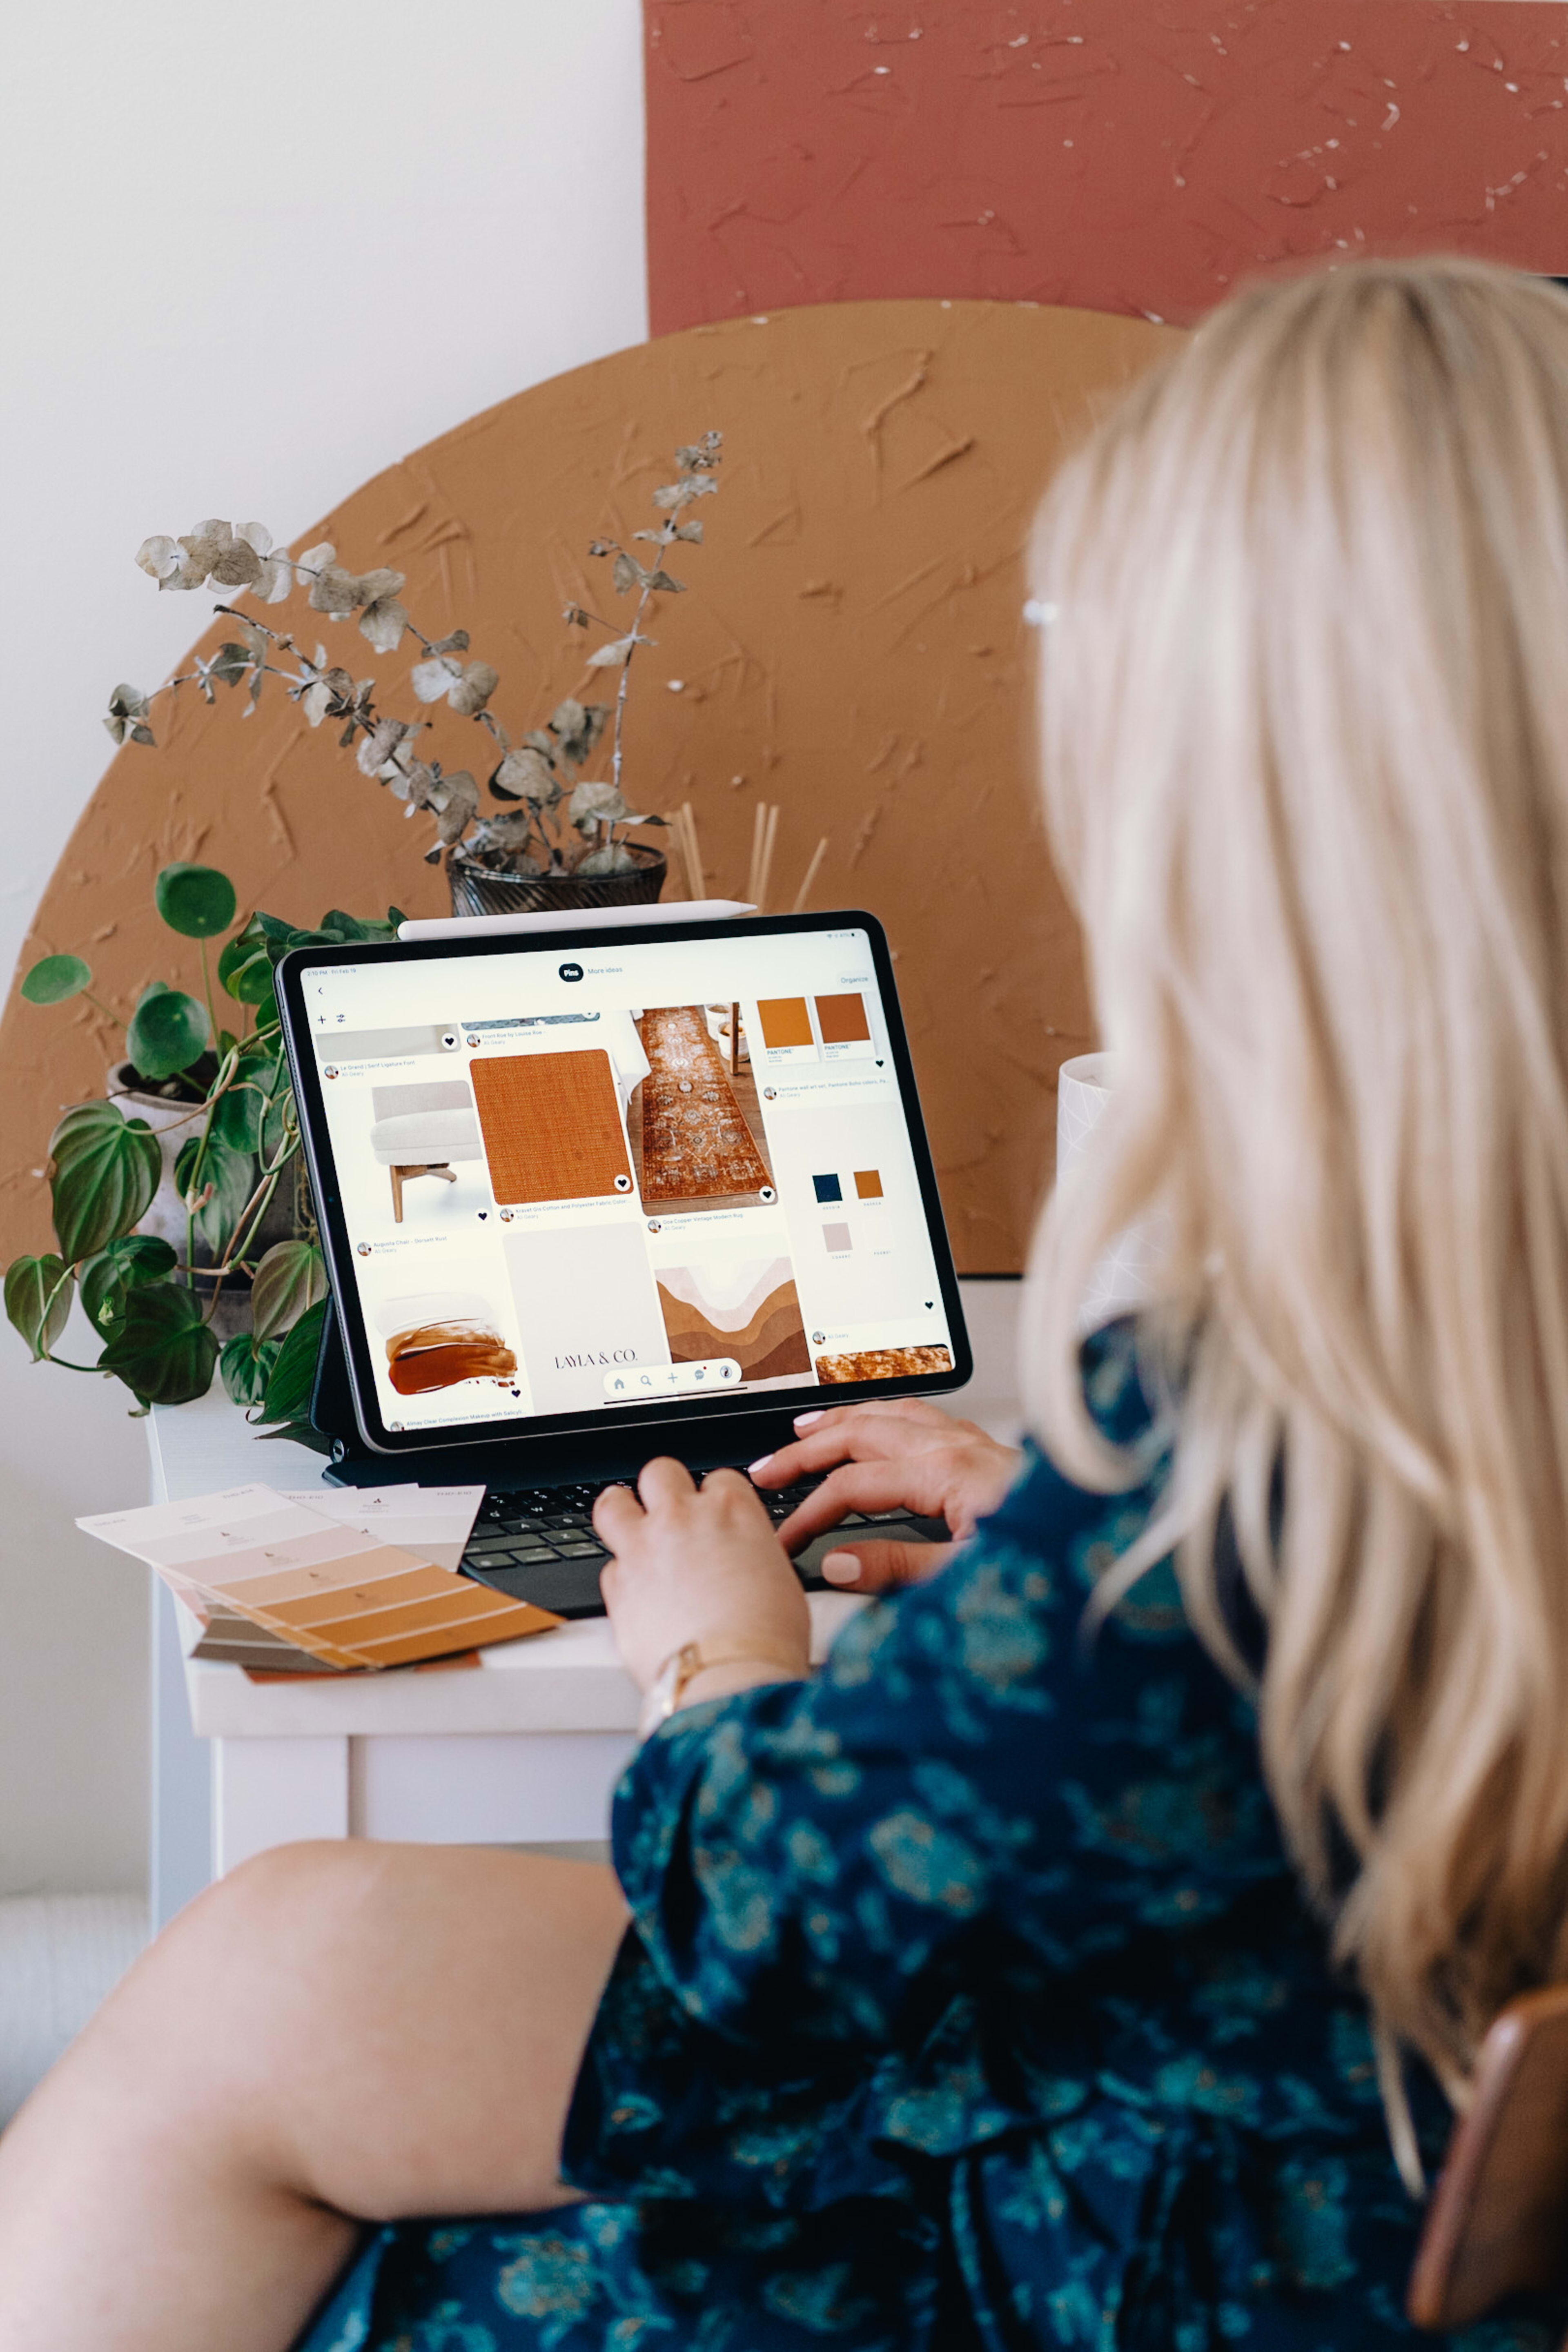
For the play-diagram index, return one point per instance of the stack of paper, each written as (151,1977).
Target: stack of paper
(328,1581)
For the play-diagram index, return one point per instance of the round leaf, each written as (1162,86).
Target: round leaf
(168,1031)
(245,1369)
(57,977)
(161,1349)
(38,1300)
(105,1172)
(195,901)
(245,969)
(291,1278)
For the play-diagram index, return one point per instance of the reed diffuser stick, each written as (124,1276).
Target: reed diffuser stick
(804,892)
(765,862)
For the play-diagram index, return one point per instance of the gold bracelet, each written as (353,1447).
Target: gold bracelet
(683,1666)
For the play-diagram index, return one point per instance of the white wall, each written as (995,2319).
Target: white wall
(249,260)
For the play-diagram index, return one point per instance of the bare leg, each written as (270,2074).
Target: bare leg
(374,2032)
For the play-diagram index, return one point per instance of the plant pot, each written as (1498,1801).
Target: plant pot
(480,890)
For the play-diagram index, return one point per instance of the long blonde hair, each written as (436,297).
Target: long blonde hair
(1306,757)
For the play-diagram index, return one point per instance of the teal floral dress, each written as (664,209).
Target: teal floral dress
(970,2006)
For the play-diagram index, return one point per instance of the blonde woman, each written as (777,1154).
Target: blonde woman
(1090,1953)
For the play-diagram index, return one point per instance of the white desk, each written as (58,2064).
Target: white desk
(525,1748)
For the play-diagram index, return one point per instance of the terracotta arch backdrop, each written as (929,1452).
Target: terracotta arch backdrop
(851,647)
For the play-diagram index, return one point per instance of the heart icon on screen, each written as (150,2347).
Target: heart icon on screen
(928,1302)
(483,1214)
(879,1065)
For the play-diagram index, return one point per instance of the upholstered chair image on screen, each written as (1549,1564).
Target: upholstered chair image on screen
(421,1129)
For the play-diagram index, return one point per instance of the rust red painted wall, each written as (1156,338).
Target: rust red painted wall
(1116,155)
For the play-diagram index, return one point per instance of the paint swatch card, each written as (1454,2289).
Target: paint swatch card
(433,1522)
(331,1586)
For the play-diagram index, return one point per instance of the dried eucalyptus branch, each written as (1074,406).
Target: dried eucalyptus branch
(533,778)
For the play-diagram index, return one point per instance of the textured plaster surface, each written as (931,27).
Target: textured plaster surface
(851,647)
(1127,158)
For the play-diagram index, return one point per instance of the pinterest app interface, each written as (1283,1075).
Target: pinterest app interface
(577,1182)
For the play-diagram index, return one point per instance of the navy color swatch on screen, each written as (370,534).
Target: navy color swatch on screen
(828,1188)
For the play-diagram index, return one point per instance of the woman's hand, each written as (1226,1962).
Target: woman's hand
(902,1455)
(702,1566)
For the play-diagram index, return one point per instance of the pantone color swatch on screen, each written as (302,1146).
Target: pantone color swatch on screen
(552,1124)
(837,1240)
(747,1311)
(785,1023)
(868,1183)
(842,1020)
(827,1188)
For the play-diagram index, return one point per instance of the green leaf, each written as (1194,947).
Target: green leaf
(232,1176)
(195,901)
(293,1375)
(289,1280)
(57,977)
(168,1031)
(161,1349)
(39,1293)
(245,967)
(105,1172)
(125,1264)
(245,1368)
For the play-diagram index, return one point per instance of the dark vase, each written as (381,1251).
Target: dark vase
(479,889)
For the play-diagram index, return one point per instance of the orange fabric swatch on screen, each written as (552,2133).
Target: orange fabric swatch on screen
(868,1183)
(842,1020)
(785,1021)
(552,1124)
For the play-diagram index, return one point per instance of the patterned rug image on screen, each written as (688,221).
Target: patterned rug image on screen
(696,1143)
(552,1124)
(883,1364)
(746,1309)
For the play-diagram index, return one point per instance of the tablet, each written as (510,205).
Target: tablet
(572,1178)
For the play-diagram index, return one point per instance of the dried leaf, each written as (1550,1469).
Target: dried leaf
(433,678)
(318,559)
(473,689)
(159,556)
(457,643)
(381,743)
(127,710)
(612,859)
(575,616)
(617,654)
(383,621)
(525,774)
(626,574)
(664,585)
(595,804)
(335,592)
(601,547)
(691,530)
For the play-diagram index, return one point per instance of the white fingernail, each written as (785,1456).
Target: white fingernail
(805,1419)
(760,1463)
(841,1567)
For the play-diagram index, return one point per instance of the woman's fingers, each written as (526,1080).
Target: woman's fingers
(914,1483)
(663,1481)
(881,1567)
(855,1433)
(616,1512)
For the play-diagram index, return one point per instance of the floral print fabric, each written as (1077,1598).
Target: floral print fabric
(969,2003)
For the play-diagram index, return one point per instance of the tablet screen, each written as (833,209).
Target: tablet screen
(636,1172)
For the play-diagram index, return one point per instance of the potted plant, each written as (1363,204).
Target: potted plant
(558,838)
(183,1189)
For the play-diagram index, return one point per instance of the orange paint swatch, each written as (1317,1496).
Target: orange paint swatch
(785,1022)
(842,1020)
